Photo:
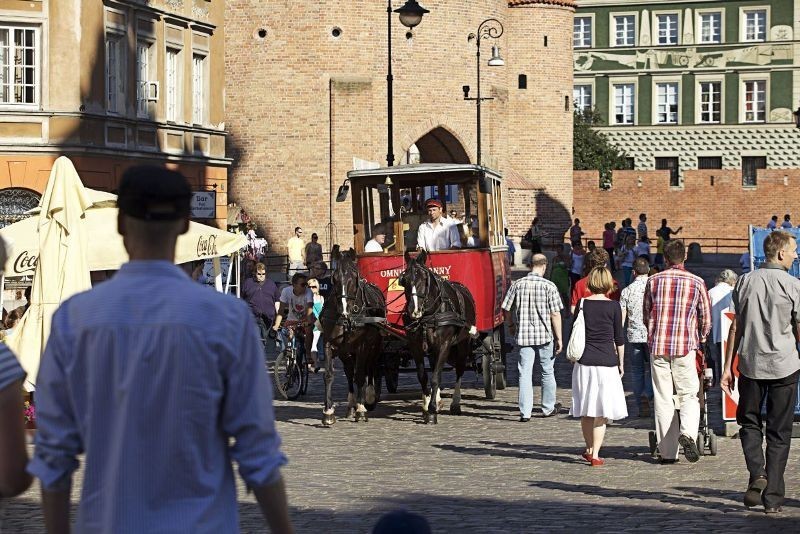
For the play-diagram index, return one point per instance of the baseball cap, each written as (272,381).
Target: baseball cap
(154,194)
(434,202)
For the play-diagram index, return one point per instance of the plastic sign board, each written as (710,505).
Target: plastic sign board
(729,403)
(204,205)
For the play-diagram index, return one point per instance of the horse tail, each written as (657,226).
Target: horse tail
(468,306)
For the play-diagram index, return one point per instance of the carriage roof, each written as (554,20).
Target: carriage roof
(425,173)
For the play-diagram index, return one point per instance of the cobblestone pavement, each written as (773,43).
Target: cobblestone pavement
(486,472)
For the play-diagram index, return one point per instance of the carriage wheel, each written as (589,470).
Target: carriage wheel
(500,356)
(701,443)
(712,443)
(489,378)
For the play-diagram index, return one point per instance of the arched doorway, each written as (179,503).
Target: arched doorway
(438,146)
(15,202)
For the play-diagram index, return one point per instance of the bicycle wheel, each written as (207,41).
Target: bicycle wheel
(304,373)
(288,375)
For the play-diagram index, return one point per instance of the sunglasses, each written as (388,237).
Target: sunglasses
(314,287)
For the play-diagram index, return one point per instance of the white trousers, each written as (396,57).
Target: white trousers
(675,387)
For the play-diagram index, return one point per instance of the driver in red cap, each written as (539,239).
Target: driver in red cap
(438,232)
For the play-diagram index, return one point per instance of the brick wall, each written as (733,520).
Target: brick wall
(705,209)
(294,133)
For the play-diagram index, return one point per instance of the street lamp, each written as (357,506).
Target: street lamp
(410,16)
(489,28)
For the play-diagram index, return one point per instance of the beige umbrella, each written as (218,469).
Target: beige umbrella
(105,249)
(62,270)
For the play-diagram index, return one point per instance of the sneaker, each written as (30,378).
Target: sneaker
(689,448)
(556,410)
(523,419)
(752,497)
(667,461)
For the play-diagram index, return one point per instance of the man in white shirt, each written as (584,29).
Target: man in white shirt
(720,296)
(378,239)
(438,232)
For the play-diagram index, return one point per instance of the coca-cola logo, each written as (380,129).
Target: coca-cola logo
(25,263)
(207,246)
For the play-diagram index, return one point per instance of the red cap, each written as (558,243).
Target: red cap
(434,202)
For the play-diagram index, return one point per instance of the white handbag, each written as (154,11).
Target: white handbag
(577,339)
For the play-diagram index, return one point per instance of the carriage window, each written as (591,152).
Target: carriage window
(379,210)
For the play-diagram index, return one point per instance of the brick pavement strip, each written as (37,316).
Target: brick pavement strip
(486,472)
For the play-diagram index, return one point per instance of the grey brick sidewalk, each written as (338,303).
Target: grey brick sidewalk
(487,472)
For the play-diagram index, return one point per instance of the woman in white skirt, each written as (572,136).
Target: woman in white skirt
(597,394)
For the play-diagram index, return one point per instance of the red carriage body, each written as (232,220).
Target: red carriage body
(394,197)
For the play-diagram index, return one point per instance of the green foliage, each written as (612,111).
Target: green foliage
(592,150)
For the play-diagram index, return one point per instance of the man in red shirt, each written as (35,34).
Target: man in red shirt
(596,258)
(677,313)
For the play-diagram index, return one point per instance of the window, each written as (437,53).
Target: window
(711,102)
(667,103)
(755,25)
(755,101)
(667,25)
(709,162)
(582,32)
(199,89)
(19,55)
(630,163)
(750,166)
(173,84)
(625,30)
(669,164)
(710,27)
(623,103)
(146,89)
(115,72)
(582,97)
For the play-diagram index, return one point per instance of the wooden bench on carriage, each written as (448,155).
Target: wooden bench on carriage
(394,197)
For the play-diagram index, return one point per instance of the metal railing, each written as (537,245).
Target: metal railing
(709,245)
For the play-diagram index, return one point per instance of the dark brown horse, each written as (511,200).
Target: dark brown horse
(439,319)
(349,326)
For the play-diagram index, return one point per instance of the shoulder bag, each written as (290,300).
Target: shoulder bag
(577,339)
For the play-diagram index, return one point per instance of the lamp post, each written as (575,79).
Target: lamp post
(410,16)
(489,28)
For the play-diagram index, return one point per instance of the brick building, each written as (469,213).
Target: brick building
(110,84)
(306,99)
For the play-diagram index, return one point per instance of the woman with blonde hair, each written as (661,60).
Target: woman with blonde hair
(597,394)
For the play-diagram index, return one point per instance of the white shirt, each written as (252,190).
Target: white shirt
(443,237)
(373,246)
(297,304)
(720,296)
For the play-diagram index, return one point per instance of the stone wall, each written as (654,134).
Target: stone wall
(711,203)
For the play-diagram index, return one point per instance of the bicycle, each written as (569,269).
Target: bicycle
(290,371)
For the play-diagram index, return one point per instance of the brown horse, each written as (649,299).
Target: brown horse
(439,319)
(349,326)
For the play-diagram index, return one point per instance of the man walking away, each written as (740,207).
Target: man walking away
(296,250)
(773,223)
(677,313)
(159,401)
(765,339)
(641,229)
(631,301)
(536,325)
(787,222)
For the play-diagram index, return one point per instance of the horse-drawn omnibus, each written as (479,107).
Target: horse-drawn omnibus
(394,198)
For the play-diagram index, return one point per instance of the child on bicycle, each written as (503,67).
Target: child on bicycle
(296,305)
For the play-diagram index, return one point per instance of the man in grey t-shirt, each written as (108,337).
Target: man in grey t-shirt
(767,304)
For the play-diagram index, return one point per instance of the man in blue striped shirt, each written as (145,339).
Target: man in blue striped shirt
(160,383)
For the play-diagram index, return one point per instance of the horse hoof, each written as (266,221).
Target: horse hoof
(371,407)
(328,420)
(351,413)
(455,410)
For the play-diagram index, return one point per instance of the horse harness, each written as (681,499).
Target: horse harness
(450,312)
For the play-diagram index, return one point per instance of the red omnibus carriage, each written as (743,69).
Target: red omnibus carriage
(395,197)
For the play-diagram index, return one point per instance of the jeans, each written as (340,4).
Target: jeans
(627,273)
(781,395)
(527,356)
(640,369)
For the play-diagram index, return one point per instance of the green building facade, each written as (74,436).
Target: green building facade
(687,85)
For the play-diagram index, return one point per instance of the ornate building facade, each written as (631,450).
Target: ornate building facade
(706,85)
(110,83)
(306,101)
